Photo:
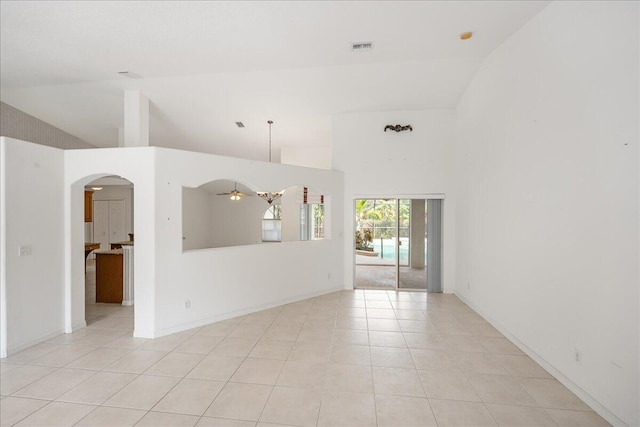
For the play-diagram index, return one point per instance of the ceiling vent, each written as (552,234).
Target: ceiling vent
(361,46)
(240,124)
(129,75)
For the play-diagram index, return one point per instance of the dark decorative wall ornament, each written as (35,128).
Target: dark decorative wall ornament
(398,128)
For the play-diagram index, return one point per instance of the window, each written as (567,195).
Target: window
(318,222)
(271,224)
(311,221)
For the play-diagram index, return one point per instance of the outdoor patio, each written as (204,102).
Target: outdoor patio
(384,276)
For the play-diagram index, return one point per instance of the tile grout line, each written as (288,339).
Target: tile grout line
(281,369)
(138,375)
(459,314)
(373,384)
(235,371)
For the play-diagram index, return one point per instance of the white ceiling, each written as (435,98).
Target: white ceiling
(207,65)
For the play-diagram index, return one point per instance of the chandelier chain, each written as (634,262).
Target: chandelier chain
(268,196)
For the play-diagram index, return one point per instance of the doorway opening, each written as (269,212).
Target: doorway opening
(109,240)
(397,243)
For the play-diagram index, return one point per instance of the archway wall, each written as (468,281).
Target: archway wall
(224,282)
(215,283)
(138,166)
(41,207)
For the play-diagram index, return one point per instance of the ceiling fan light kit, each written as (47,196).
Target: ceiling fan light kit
(235,195)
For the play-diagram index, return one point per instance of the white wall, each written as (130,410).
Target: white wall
(235,223)
(547,213)
(378,163)
(290,212)
(31,211)
(196,219)
(224,282)
(220,282)
(42,201)
(310,157)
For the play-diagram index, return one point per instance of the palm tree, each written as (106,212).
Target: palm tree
(380,214)
(365,222)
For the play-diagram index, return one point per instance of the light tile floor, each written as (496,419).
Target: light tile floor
(351,358)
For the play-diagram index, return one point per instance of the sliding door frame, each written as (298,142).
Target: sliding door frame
(397,198)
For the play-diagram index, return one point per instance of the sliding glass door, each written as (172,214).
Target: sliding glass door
(412,273)
(375,243)
(392,243)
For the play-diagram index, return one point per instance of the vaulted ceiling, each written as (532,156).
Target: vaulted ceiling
(206,65)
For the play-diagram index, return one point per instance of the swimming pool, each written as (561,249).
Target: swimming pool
(387,250)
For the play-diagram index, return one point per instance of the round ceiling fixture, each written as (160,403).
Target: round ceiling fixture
(466,36)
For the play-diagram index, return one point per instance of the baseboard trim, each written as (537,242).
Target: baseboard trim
(563,379)
(230,315)
(80,325)
(31,343)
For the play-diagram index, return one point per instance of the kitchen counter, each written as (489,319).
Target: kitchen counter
(118,245)
(88,247)
(111,252)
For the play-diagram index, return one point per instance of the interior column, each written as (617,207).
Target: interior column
(136,119)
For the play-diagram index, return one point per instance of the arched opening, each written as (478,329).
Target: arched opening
(224,213)
(100,284)
(220,213)
(109,241)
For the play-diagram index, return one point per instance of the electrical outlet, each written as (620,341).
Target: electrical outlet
(187,304)
(578,356)
(24,250)
(468,285)
(329,276)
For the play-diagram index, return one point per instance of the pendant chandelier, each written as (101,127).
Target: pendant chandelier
(267,195)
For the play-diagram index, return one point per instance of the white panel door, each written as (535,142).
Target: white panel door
(117,226)
(101,223)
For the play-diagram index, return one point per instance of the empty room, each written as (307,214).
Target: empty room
(358,213)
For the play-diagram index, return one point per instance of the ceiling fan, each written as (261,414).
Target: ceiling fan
(235,194)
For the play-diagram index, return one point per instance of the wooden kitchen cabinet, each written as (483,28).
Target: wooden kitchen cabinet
(109,276)
(88,206)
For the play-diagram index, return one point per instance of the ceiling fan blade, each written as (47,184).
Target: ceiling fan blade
(234,192)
